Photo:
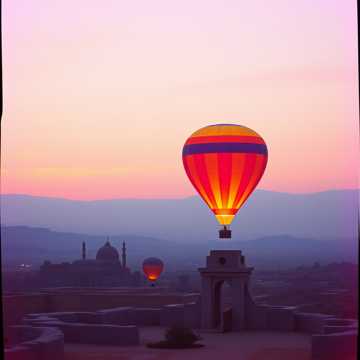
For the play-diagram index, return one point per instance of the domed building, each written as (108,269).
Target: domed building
(107,253)
(105,270)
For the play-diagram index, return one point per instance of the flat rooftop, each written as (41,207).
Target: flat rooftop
(240,346)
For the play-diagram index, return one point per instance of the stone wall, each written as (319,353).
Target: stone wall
(310,323)
(94,331)
(335,346)
(15,307)
(34,343)
(177,314)
(332,338)
(336,341)
(266,317)
(147,316)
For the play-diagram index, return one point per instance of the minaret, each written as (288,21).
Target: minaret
(124,255)
(83,250)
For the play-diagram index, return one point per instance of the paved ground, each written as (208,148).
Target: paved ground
(228,346)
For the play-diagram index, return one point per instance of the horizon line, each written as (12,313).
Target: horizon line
(171,198)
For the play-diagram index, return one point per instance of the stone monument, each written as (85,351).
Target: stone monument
(225,266)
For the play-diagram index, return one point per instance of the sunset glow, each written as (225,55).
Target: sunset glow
(99,97)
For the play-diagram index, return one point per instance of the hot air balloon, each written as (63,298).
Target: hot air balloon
(152,268)
(224,163)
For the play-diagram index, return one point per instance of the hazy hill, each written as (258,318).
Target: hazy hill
(22,244)
(325,216)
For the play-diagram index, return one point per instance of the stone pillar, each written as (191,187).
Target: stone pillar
(206,303)
(238,304)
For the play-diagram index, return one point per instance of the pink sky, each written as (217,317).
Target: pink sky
(99,96)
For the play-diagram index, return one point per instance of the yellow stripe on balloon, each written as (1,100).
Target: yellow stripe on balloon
(224,219)
(255,177)
(237,169)
(211,162)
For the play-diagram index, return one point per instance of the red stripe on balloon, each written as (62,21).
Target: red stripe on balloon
(192,173)
(225,211)
(202,172)
(227,138)
(225,168)
(211,162)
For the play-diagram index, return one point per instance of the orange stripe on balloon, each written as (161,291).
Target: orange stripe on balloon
(237,169)
(191,171)
(225,130)
(211,162)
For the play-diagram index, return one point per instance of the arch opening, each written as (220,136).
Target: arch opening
(223,306)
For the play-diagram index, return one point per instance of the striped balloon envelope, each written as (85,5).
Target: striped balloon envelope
(224,163)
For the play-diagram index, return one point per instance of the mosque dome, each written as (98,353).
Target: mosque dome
(107,253)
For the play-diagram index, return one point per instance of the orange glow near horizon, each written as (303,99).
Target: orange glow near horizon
(98,101)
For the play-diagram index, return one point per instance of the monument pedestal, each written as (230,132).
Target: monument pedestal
(225,266)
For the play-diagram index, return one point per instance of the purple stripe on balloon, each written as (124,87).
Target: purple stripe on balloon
(224,148)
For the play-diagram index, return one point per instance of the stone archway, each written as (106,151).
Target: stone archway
(222,306)
(224,266)
(217,303)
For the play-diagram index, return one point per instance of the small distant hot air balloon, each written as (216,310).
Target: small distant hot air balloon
(152,268)
(224,163)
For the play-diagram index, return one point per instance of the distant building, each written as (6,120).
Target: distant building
(105,270)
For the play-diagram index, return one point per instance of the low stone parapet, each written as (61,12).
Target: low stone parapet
(192,315)
(280,318)
(63,316)
(256,317)
(147,316)
(173,315)
(311,323)
(95,330)
(337,346)
(117,316)
(266,317)
(100,334)
(34,343)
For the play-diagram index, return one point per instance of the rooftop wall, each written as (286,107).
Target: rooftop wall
(34,343)
(15,307)
(337,346)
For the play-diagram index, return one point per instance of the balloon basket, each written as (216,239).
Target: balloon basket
(225,233)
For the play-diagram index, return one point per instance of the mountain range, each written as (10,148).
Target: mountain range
(274,230)
(22,244)
(326,216)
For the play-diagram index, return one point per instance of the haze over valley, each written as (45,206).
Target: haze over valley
(319,227)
